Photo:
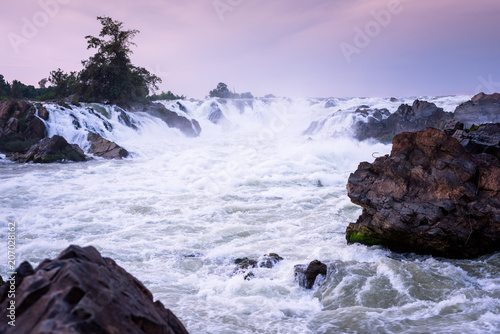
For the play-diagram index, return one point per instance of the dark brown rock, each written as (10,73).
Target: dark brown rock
(429,196)
(306,275)
(51,149)
(104,148)
(82,292)
(190,128)
(482,108)
(43,112)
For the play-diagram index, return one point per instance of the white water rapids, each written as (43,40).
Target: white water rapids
(179,211)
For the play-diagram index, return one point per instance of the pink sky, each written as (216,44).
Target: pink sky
(288,48)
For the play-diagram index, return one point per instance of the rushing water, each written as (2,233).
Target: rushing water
(179,211)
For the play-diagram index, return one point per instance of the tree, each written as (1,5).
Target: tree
(42,83)
(16,89)
(4,87)
(221,91)
(109,74)
(64,84)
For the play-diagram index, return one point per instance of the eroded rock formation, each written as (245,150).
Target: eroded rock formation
(82,292)
(430,195)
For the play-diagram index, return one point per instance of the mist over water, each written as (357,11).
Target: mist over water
(179,211)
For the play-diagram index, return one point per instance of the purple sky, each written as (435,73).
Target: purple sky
(295,48)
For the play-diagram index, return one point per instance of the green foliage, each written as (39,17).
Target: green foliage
(65,84)
(19,90)
(109,75)
(473,127)
(165,96)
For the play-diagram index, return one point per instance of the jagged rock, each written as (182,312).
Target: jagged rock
(82,292)
(306,274)
(19,127)
(190,128)
(419,116)
(429,196)
(451,126)
(482,108)
(51,149)
(485,139)
(104,148)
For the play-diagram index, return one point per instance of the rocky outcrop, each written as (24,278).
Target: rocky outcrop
(429,196)
(190,128)
(485,139)
(51,149)
(306,274)
(417,117)
(20,127)
(82,292)
(482,108)
(104,148)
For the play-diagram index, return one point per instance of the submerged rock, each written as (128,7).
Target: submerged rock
(82,292)
(51,149)
(306,275)
(429,196)
(244,264)
(105,148)
(482,108)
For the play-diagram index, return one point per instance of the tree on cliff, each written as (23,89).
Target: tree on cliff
(109,75)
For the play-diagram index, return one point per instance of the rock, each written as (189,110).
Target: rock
(306,275)
(82,292)
(42,112)
(104,148)
(419,116)
(51,149)
(393,99)
(244,264)
(485,139)
(216,114)
(453,125)
(429,196)
(330,104)
(482,108)
(269,260)
(20,128)
(190,128)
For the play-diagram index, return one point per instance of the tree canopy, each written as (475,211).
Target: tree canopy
(109,74)
(221,91)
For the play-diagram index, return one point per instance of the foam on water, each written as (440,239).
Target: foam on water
(180,210)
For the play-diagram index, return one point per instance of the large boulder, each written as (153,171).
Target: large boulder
(428,196)
(190,128)
(20,128)
(51,149)
(482,108)
(82,292)
(104,148)
(417,117)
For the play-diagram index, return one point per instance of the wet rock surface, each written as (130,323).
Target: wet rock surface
(190,128)
(82,292)
(482,108)
(430,195)
(52,149)
(104,148)
(306,275)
